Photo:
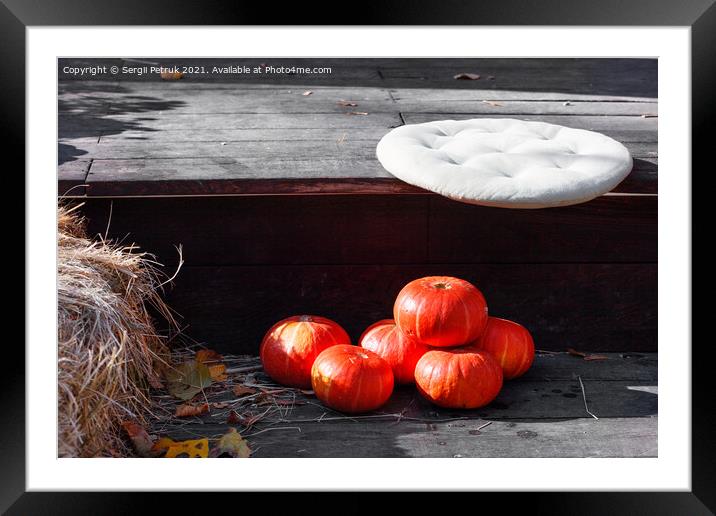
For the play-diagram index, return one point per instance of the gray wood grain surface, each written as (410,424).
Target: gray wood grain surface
(538,415)
(258,135)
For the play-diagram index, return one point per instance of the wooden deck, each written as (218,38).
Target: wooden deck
(204,135)
(539,415)
(281,207)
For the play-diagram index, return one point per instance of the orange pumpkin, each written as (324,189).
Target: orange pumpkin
(458,377)
(351,379)
(401,351)
(510,344)
(441,311)
(290,347)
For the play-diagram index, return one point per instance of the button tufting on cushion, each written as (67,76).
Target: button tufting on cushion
(505,162)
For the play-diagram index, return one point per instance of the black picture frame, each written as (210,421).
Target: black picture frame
(699,15)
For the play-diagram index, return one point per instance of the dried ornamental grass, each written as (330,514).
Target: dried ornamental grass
(109,352)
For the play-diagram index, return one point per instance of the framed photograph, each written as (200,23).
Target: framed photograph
(433,257)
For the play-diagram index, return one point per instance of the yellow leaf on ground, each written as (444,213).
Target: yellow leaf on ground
(233,445)
(163,444)
(197,448)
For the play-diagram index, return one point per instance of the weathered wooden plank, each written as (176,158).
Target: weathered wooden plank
(247,151)
(592,123)
(378,229)
(248,135)
(332,147)
(631,437)
(266,230)
(518,400)
(577,438)
(618,77)
(625,366)
(610,306)
(70,174)
(462,233)
(449,95)
(329,101)
(483,106)
(205,176)
(168,121)
(252,175)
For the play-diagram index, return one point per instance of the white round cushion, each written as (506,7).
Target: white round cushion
(505,162)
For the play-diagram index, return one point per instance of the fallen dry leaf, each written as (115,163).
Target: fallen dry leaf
(171,75)
(241,390)
(188,379)
(307,392)
(363,113)
(208,355)
(467,76)
(218,372)
(347,103)
(141,440)
(596,357)
(576,353)
(212,359)
(220,405)
(189,410)
(163,444)
(235,418)
(195,448)
(307,93)
(238,419)
(233,445)
(492,103)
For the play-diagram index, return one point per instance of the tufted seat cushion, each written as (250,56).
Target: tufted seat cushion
(505,162)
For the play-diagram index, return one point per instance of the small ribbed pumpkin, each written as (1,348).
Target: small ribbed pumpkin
(510,344)
(351,379)
(441,311)
(395,347)
(290,347)
(461,378)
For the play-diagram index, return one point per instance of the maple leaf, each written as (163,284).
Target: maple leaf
(233,445)
(188,379)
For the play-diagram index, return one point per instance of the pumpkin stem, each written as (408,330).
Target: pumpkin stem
(305,318)
(441,286)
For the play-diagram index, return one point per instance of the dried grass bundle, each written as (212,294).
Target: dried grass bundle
(109,351)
